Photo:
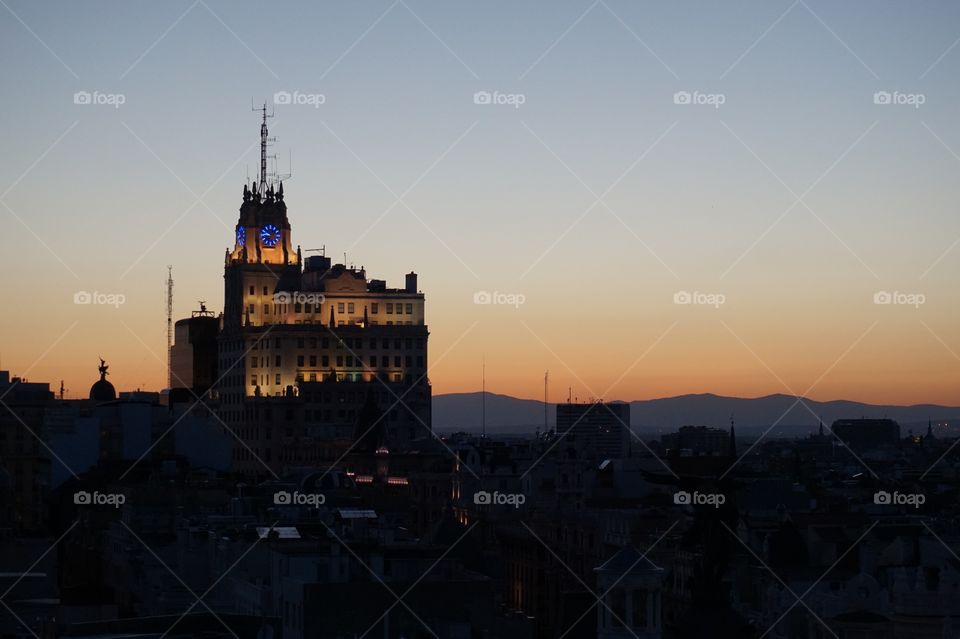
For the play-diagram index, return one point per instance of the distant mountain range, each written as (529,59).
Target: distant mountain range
(505,414)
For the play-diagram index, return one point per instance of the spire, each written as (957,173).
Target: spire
(733,440)
(333,322)
(929,427)
(821,426)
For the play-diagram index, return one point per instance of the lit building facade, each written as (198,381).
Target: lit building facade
(306,346)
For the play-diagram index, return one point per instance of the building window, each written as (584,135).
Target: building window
(339,360)
(277,361)
(253,380)
(373,361)
(299,360)
(253,362)
(278,379)
(374,308)
(265,290)
(313,360)
(350,307)
(297,307)
(266,309)
(396,361)
(409,309)
(340,306)
(389,308)
(325,359)
(250,309)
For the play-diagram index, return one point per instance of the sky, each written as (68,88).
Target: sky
(656,198)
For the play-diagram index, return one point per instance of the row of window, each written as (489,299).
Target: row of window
(341,361)
(353,343)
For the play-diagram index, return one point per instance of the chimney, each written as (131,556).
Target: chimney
(411,282)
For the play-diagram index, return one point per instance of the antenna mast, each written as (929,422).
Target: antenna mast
(169,327)
(546,382)
(264,142)
(483,398)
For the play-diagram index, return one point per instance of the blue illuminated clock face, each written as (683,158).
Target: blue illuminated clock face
(241,235)
(270,235)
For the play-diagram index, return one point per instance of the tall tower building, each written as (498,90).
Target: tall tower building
(309,349)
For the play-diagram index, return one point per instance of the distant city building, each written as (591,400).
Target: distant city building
(700,440)
(306,346)
(867,433)
(602,427)
(193,356)
(24,460)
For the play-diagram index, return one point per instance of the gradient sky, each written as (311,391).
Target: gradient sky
(497,198)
